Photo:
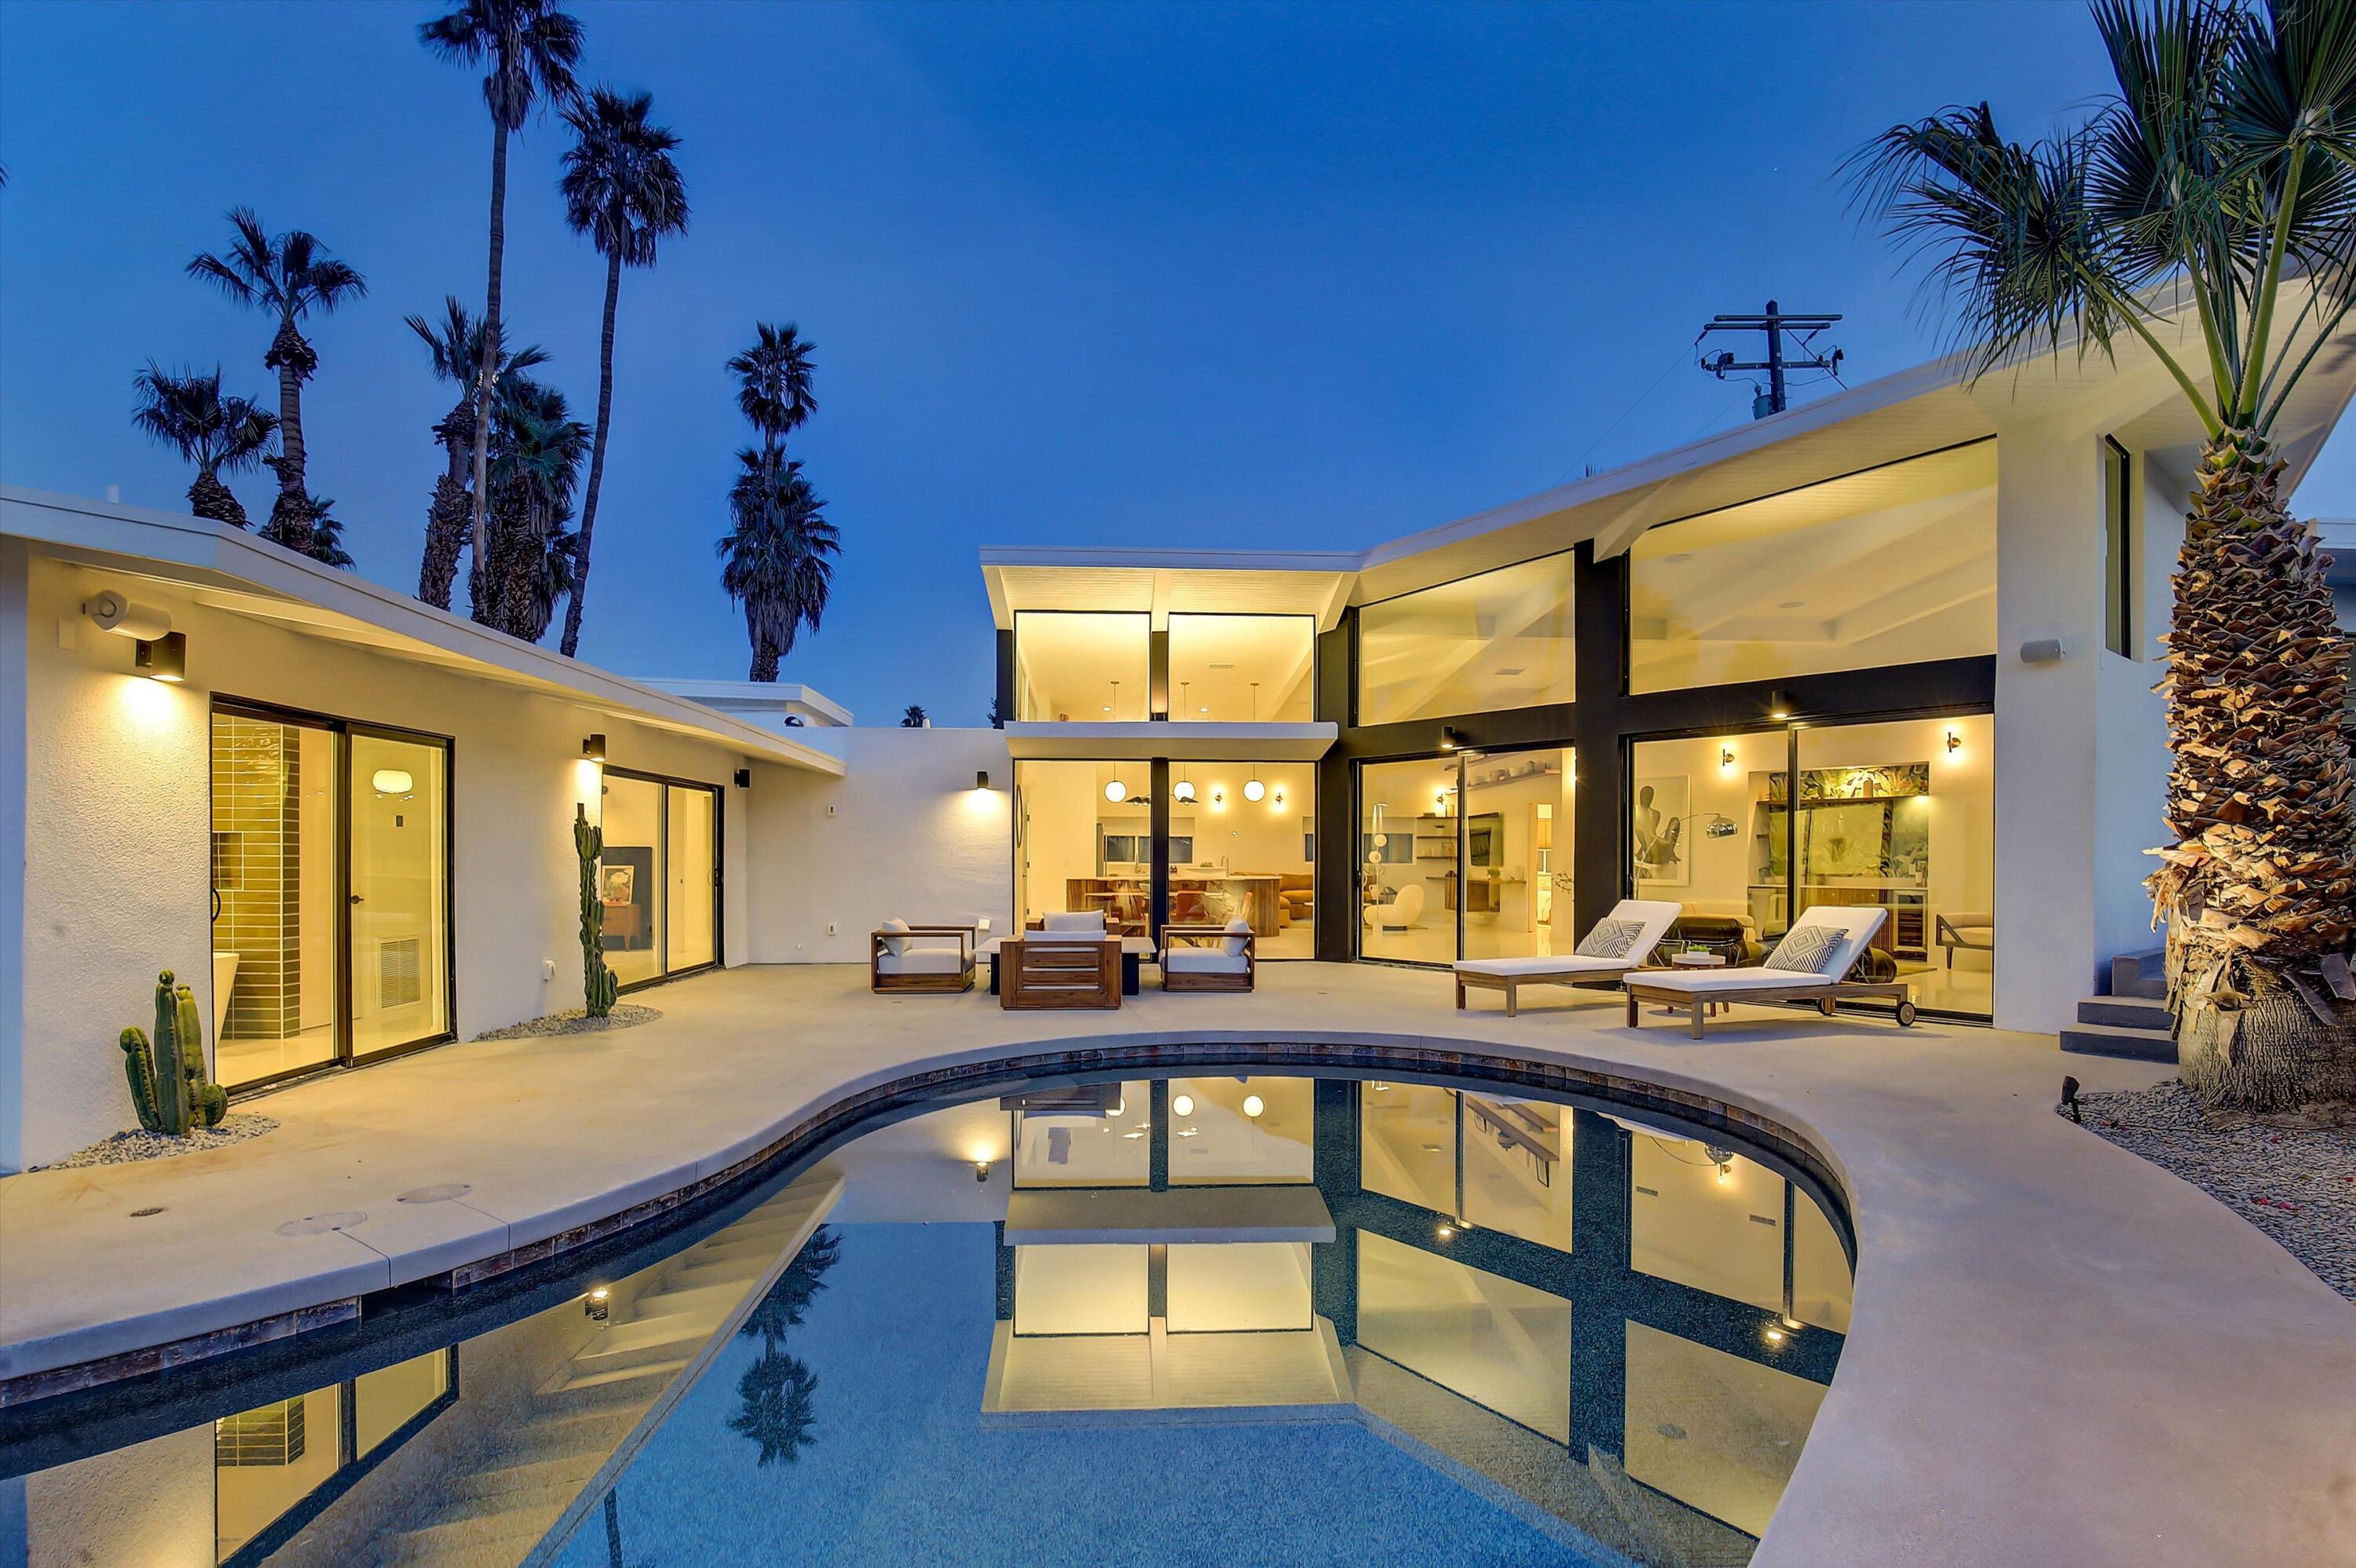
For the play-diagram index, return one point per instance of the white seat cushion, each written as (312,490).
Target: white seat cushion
(1090,921)
(922,961)
(1239,930)
(1039,936)
(1729,979)
(1564,964)
(1204,960)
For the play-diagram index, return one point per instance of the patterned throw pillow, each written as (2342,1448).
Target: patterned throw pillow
(1810,949)
(1611,939)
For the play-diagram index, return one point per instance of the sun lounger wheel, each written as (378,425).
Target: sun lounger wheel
(1827,1006)
(1905,1015)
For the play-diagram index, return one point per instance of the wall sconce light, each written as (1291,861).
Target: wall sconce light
(593,747)
(981,1170)
(1450,740)
(1779,704)
(596,1304)
(1218,797)
(1726,756)
(744,778)
(109,610)
(1116,792)
(1954,741)
(981,778)
(1279,797)
(162,658)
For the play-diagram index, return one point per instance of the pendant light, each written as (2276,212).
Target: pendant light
(1184,790)
(1254,790)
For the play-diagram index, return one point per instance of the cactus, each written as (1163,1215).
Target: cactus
(168,1086)
(599,984)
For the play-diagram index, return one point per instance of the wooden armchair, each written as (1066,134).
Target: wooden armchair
(903,957)
(1044,971)
(1209,957)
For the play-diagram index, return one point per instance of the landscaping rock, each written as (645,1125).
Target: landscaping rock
(625,1015)
(124,1148)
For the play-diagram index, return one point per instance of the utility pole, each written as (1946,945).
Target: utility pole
(1774,324)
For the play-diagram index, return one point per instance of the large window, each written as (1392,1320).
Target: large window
(2119,550)
(658,877)
(1235,669)
(1895,565)
(1240,1130)
(1898,814)
(1082,668)
(1491,1160)
(1479,844)
(1503,639)
(1407,861)
(1246,853)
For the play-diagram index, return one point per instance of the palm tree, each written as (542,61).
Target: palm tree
(789,1300)
(778,555)
(2225,163)
(327,535)
(530,48)
(454,345)
(290,275)
(914,717)
(220,435)
(777,383)
(777,1407)
(622,190)
(536,448)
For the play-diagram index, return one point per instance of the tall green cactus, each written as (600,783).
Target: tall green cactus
(599,984)
(168,1086)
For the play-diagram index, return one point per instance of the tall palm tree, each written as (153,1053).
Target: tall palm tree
(778,555)
(327,535)
(537,452)
(220,435)
(530,48)
(622,190)
(290,275)
(454,346)
(2223,173)
(777,383)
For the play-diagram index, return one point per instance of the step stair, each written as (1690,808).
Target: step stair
(2140,974)
(2129,1023)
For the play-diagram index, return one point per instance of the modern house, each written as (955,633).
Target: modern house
(1894,648)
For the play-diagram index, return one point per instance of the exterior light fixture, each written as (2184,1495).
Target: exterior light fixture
(109,610)
(1447,1233)
(744,778)
(1116,792)
(1218,797)
(981,1170)
(981,778)
(593,747)
(1450,740)
(1183,1105)
(1779,704)
(596,1305)
(162,658)
(1726,756)
(392,782)
(1253,1106)
(1955,740)
(1279,797)
(1775,1336)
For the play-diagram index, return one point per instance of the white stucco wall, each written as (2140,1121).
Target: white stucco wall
(117,845)
(909,837)
(14,635)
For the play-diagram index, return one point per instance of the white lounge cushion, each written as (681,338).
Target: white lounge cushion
(1564,964)
(1239,932)
(1655,916)
(895,945)
(1204,961)
(1089,921)
(922,961)
(1755,978)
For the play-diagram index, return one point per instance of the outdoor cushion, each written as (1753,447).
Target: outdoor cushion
(1563,964)
(922,961)
(1611,938)
(1761,978)
(895,945)
(1238,931)
(1204,960)
(1091,922)
(1809,949)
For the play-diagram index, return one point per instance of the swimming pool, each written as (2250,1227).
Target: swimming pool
(1217,1315)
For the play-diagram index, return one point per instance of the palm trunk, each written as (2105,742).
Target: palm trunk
(208,497)
(596,460)
(481,579)
(290,515)
(764,662)
(2258,890)
(445,537)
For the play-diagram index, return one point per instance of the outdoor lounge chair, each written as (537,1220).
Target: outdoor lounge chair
(1209,957)
(1809,964)
(934,958)
(1619,943)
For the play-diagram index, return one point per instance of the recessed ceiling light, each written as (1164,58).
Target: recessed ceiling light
(1791,604)
(1509,672)
(1222,666)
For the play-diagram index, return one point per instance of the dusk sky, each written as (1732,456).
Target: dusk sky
(1255,277)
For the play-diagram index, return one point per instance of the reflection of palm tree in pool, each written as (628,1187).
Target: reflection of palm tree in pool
(776,1406)
(789,1300)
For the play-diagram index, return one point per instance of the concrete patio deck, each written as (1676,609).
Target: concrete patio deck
(2058,1353)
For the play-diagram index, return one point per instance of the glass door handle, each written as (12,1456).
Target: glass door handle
(357,898)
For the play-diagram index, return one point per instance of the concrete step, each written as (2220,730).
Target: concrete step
(2110,1039)
(2140,974)
(2124,1012)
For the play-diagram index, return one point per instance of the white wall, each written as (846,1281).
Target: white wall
(910,838)
(116,858)
(14,635)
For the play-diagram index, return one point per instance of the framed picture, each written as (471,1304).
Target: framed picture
(1656,833)
(618,884)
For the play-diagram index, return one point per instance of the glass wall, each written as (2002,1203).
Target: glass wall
(1238,669)
(1083,841)
(1239,855)
(1237,1131)
(1516,886)
(1087,1147)
(1503,639)
(1514,1173)
(277,806)
(1895,565)
(400,881)
(1899,813)
(1503,1345)
(690,925)
(658,876)
(1082,668)
(1714,1219)
(1408,831)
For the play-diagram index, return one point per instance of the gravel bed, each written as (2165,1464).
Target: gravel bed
(625,1015)
(124,1148)
(2293,1177)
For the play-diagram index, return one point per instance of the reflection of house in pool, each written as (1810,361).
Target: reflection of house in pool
(1593,1321)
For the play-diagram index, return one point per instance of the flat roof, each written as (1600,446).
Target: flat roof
(228,568)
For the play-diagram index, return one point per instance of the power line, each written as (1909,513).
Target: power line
(1776,324)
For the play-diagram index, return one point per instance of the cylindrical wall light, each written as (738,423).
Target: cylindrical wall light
(111,612)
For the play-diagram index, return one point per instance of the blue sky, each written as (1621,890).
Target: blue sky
(1230,275)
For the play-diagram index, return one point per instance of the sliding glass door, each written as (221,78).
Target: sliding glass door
(659,876)
(1407,859)
(399,902)
(1466,856)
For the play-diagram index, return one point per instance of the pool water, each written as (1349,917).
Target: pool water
(1203,1318)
